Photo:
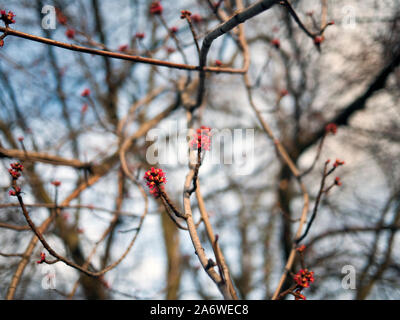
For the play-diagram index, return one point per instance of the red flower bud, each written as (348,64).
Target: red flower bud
(196,18)
(276,43)
(338,182)
(85,93)
(318,40)
(155,178)
(331,128)
(123,47)
(139,35)
(56,183)
(156,8)
(42,258)
(8,18)
(70,33)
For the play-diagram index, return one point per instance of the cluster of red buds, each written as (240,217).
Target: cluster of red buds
(42,258)
(15,170)
(155,178)
(338,182)
(8,18)
(303,278)
(15,173)
(338,163)
(201,140)
(156,8)
(298,296)
(218,63)
(185,14)
(331,128)
(15,192)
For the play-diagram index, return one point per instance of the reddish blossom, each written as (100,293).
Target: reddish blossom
(56,183)
(84,108)
(85,93)
(156,8)
(170,50)
(185,14)
(1,43)
(15,192)
(201,140)
(318,40)
(298,295)
(8,18)
(196,18)
(304,277)
(155,178)
(61,18)
(42,258)
(331,128)
(276,43)
(218,63)
(17,166)
(123,47)
(15,170)
(338,182)
(70,33)
(301,248)
(20,139)
(338,163)
(284,92)
(330,23)
(139,35)
(173,29)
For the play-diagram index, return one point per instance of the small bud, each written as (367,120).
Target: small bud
(276,43)
(196,18)
(338,182)
(42,258)
(123,47)
(56,183)
(139,35)
(85,93)
(70,33)
(318,40)
(156,8)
